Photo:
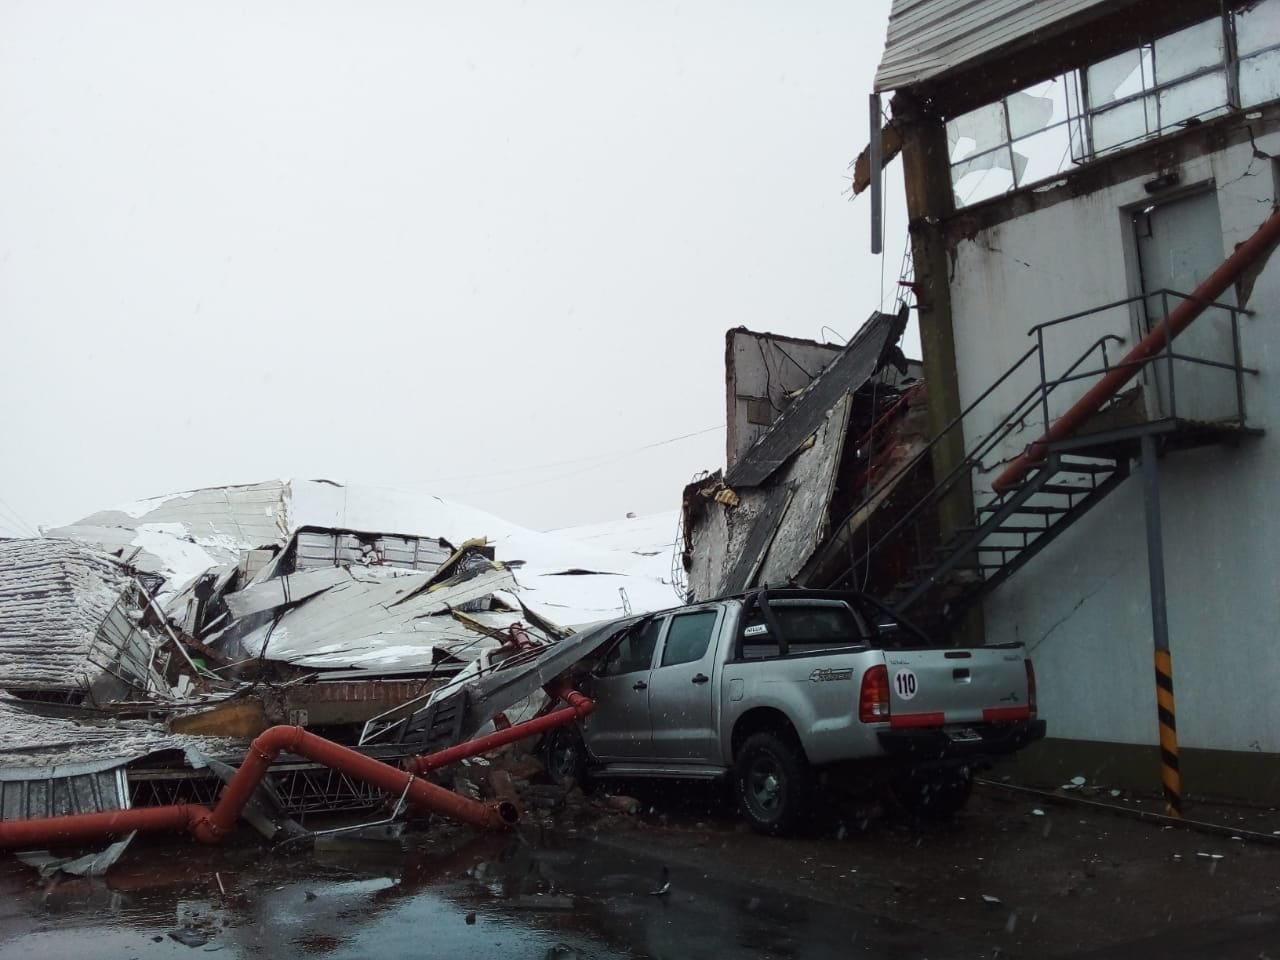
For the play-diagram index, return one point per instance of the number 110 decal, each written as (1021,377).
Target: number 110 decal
(904,682)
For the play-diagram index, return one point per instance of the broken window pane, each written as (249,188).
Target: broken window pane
(1189,50)
(1120,77)
(977,131)
(1037,107)
(1122,124)
(1260,78)
(982,177)
(1194,98)
(1044,155)
(1257,27)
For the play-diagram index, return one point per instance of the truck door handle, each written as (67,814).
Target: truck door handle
(640,685)
(700,678)
(961,673)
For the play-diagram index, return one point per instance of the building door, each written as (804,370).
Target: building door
(1179,244)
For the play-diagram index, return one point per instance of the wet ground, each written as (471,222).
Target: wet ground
(1011,878)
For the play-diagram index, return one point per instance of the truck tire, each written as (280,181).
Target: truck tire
(564,757)
(773,782)
(935,797)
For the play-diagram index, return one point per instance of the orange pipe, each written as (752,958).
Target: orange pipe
(578,707)
(263,751)
(1146,348)
(210,827)
(74,828)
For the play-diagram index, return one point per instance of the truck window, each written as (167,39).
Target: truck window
(689,637)
(757,642)
(808,625)
(634,652)
(812,627)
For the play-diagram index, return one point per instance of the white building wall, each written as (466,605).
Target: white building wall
(1083,604)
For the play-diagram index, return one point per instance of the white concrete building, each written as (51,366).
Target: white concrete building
(1072,160)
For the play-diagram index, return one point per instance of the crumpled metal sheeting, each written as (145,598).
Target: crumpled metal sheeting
(55,596)
(29,740)
(375,621)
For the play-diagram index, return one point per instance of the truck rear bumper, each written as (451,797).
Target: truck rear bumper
(980,740)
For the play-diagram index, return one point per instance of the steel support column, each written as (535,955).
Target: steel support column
(1170,776)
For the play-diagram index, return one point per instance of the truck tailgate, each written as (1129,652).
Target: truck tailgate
(957,686)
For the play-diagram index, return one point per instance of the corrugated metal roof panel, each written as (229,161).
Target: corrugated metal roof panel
(323,548)
(376,621)
(927,38)
(54,598)
(233,518)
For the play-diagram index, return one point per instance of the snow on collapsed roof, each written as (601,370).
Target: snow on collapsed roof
(54,597)
(652,535)
(169,534)
(31,740)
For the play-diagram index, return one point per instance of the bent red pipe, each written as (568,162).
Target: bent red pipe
(211,826)
(426,796)
(1125,370)
(578,706)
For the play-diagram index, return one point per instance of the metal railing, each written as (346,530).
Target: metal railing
(1035,400)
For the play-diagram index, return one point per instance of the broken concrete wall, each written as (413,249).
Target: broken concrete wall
(763,373)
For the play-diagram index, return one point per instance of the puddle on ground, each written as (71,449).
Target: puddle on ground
(521,895)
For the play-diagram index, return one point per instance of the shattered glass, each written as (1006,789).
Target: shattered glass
(1260,78)
(1195,48)
(1121,76)
(977,131)
(1257,27)
(1043,155)
(1037,107)
(982,177)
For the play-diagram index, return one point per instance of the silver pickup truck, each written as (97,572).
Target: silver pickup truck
(781,690)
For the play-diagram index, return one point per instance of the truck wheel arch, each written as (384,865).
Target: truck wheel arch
(763,719)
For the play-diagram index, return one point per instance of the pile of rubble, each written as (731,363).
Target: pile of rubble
(141,648)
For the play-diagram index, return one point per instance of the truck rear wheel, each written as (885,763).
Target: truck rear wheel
(773,782)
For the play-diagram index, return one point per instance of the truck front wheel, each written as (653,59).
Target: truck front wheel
(773,782)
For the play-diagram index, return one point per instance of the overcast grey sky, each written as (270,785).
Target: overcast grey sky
(424,245)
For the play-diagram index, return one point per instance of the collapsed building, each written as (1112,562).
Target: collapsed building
(824,444)
(344,628)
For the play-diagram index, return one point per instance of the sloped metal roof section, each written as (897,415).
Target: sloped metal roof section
(928,38)
(848,371)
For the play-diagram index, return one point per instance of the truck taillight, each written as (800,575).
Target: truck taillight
(873,701)
(1031,687)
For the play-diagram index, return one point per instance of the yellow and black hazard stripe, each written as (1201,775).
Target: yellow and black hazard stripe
(1170,776)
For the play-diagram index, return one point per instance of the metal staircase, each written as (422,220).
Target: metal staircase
(1070,476)
(1013,527)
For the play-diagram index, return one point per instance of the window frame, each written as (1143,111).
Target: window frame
(1082,113)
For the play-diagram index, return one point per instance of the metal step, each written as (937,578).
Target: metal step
(1019,528)
(1064,488)
(1085,466)
(1024,509)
